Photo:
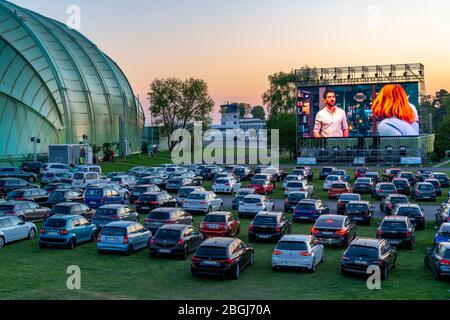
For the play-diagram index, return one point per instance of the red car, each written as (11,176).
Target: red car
(220,224)
(262,186)
(390,174)
(360,171)
(338,188)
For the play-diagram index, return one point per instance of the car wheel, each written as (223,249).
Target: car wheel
(31,234)
(221,207)
(436,275)
(323,257)
(384,273)
(130,250)
(194,272)
(185,252)
(22,218)
(236,272)
(252,259)
(31,179)
(394,264)
(410,245)
(94,236)
(2,242)
(126,196)
(209,209)
(274,268)
(71,244)
(313,267)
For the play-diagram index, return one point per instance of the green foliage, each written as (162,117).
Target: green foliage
(258,112)
(442,141)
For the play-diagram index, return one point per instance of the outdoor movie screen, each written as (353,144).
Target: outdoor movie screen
(366,110)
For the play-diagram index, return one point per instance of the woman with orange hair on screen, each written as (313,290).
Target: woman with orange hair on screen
(399,117)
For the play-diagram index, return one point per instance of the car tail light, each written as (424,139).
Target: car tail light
(259,204)
(203,202)
(278,229)
(102,200)
(340,203)
(277,252)
(99,238)
(227,184)
(63,232)
(202,225)
(185,201)
(314,230)
(147,220)
(408,233)
(304,253)
(43,231)
(152,241)
(125,240)
(390,205)
(250,227)
(341,232)
(227,261)
(195,259)
(381,262)
(114,217)
(169,221)
(379,232)
(445,261)
(137,201)
(180,242)
(20,198)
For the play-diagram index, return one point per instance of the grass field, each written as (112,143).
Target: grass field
(28,272)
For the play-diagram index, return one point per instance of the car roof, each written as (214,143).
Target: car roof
(350,194)
(154,193)
(123,224)
(218,213)
(68,204)
(408,205)
(174,227)
(296,237)
(246,189)
(199,192)
(336,217)
(256,196)
(14,202)
(333,175)
(166,209)
(359,202)
(112,206)
(369,242)
(269,213)
(395,218)
(65,216)
(218,242)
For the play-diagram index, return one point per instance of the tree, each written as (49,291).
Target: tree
(442,141)
(286,123)
(176,104)
(258,112)
(244,109)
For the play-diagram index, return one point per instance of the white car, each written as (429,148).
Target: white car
(123,192)
(329,180)
(13,229)
(254,203)
(87,168)
(203,201)
(295,186)
(291,177)
(128,182)
(55,168)
(152,171)
(226,185)
(84,179)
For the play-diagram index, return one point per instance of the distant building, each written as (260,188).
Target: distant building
(231,120)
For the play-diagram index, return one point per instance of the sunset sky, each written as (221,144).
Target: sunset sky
(235,44)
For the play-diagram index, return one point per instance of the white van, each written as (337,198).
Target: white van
(84,179)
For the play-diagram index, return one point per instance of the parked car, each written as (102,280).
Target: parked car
(152,171)
(398,231)
(264,176)
(52,177)
(203,202)
(84,179)
(175,184)
(126,181)
(158,181)
(175,239)
(443,233)
(222,256)
(225,174)
(240,194)
(383,189)
(252,204)
(388,204)
(293,199)
(14,229)
(113,174)
(243,173)
(423,191)
(363,185)
(413,212)
(66,230)
(409,176)
(33,166)
(13,172)
(310,210)
(220,224)
(296,186)
(344,199)
(54,167)
(87,168)
(389,174)
(96,196)
(276,173)
(443,213)
(123,192)
(226,185)
(122,236)
(64,195)
(338,188)
(185,191)
(139,190)
(135,171)
(149,201)
(375,176)
(10,184)
(402,185)
(360,212)
(262,187)
(442,177)
(308,171)
(298,251)
(71,208)
(334,229)
(300,173)
(113,212)
(325,171)
(423,174)
(360,171)
(329,180)
(438,260)
(436,184)
(363,253)
(40,196)
(168,215)
(343,174)
(291,178)
(269,225)
(58,185)
(208,173)
(24,210)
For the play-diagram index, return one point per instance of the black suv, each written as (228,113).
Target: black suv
(360,212)
(10,184)
(175,239)
(269,226)
(71,208)
(222,256)
(161,216)
(388,204)
(40,196)
(363,185)
(397,231)
(152,200)
(333,229)
(344,199)
(138,190)
(11,172)
(64,195)
(365,252)
(293,199)
(402,185)
(413,212)
(325,171)
(34,167)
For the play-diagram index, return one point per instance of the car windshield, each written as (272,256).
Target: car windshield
(114,231)
(16,193)
(168,234)
(94,192)
(387,187)
(243,193)
(445,229)
(251,200)
(116,179)
(158,215)
(390,224)
(327,170)
(349,197)
(222,181)
(6,207)
(105,212)
(61,210)
(356,207)
(409,212)
(265,220)
(212,252)
(308,206)
(196,196)
(441,176)
(338,186)
(296,196)
(396,200)
(333,178)
(400,183)
(294,185)
(426,187)
(55,223)
(57,194)
(258,182)
(239,170)
(214,218)
(139,189)
(363,180)
(407,175)
(148,197)
(292,245)
(356,251)
(329,223)
(184,192)
(446,255)
(78,176)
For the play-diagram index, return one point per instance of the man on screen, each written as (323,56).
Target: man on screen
(331,121)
